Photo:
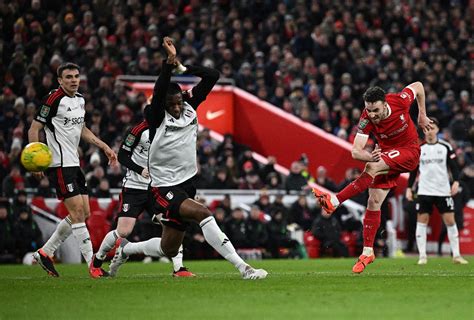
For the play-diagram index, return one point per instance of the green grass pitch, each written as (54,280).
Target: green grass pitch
(294,289)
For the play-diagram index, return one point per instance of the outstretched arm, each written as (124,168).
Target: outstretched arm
(90,137)
(423,121)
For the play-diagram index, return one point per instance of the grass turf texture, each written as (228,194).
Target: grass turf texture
(295,289)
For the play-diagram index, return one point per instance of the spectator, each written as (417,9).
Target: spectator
(103,189)
(236,229)
(7,238)
(26,233)
(256,231)
(295,180)
(327,229)
(14,181)
(301,214)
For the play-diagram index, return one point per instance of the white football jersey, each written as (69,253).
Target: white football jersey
(434,173)
(63,117)
(172,157)
(139,151)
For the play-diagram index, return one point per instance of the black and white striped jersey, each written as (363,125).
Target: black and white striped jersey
(63,117)
(133,155)
(436,160)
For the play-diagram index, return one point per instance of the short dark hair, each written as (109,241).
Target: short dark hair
(374,94)
(435,121)
(66,66)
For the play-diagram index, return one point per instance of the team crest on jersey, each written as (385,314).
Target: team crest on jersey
(45,111)
(125,207)
(188,113)
(363,123)
(130,140)
(404,95)
(169,195)
(70,187)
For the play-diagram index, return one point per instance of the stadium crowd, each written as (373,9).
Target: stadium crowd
(313,59)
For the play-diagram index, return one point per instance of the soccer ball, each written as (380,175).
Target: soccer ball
(36,157)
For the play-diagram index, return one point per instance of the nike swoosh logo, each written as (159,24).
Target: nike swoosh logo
(213,115)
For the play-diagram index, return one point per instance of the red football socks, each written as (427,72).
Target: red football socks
(371,225)
(355,187)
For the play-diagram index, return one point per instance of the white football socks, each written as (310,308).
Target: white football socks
(107,244)
(62,232)
(219,241)
(421,238)
(83,239)
(453,236)
(178,259)
(368,251)
(151,247)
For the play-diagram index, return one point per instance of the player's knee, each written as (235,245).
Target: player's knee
(203,213)
(77,214)
(123,232)
(170,252)
(371,168)
(374,202)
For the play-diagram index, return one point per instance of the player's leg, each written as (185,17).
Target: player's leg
(44,255)
(75,205)
(330,202)
(445,206)
(371,224)
(171,246)
(195,211)
(422,220)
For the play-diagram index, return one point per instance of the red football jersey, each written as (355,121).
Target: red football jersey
(397,130)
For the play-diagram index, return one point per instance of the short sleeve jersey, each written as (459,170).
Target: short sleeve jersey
(63,117)
(137,141)
(434,173)
(397,130)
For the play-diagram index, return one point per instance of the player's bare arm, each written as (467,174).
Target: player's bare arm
(170,50)
(33,136)
(359,152)
(33,132)
(423,121)
(88,136)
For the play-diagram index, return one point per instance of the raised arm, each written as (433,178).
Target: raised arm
(199,93)
(90,137)
(423,121)
(157,111)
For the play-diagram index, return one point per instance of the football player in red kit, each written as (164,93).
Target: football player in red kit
(387,117)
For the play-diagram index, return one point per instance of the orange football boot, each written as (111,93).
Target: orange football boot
(362,262)
(324,199)
(183,272)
